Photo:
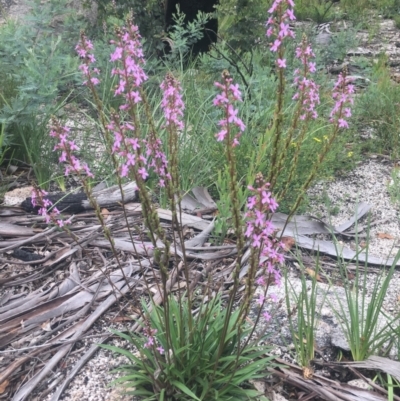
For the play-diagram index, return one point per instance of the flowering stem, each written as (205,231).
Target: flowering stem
(342,94)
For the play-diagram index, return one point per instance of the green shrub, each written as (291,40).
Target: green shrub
(39,76)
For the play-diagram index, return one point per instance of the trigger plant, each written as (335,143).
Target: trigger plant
(191,342)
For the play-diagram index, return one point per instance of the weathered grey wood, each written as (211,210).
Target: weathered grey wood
(75,203)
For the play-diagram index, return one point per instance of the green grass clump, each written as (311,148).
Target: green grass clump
(396,19)
(319,11)
(379,108)
(193,367)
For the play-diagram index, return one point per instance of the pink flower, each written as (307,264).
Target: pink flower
(124,170)
(275,45)
(274,297)
(221,135)
(261,281)
(144,174)
(290,14)
(270,21)
(249,230)
(236,94)
(256,241)
(149,343)
(117,55)
(235,142)
(281,63)
(273,205)
(265,197)
(267,316)
(312,67)
(284,30)
(261,299)
(270,31)
(251,202)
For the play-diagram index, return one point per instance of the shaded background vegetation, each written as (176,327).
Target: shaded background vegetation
(40,78)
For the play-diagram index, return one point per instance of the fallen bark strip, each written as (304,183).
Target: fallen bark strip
(372,384)
(14,365)
(14,230)
(329,248)
(76,203)
(323,387)
(27,388)
(310,225)
(375,362)
(29,240)
(187,219)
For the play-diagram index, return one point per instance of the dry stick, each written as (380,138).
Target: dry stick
(58,343)
(4,374)
(29,240)
(77,316)
(371,383)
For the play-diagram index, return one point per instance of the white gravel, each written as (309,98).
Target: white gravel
(368,183)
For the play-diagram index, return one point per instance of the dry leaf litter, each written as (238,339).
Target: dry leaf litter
(369,183)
